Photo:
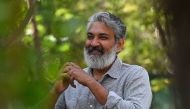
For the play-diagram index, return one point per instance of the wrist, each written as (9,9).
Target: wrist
(58,88)
(90,82)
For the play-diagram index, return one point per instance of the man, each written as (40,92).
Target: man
(107,82)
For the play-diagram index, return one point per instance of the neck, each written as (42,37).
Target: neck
(98,73)
(102,71)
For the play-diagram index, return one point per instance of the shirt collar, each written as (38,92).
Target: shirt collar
(113,71)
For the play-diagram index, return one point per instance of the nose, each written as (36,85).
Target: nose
(95,42)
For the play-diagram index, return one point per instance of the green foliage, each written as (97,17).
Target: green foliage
(11,15)
(28,70)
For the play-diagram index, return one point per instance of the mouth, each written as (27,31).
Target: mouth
(95,52)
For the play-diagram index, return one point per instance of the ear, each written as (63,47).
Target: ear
(120,45)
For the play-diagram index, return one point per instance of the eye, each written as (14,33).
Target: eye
(90,36)
(103,37)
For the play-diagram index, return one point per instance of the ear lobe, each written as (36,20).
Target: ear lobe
(120,45)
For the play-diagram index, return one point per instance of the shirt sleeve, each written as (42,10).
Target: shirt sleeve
(137,93)
(60,104)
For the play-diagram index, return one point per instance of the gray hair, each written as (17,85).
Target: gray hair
(111,21)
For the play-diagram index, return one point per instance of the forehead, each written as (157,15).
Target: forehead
(100,27)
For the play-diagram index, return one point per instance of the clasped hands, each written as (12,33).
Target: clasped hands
(70,72)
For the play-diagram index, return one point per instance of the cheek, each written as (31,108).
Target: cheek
(87,43)
(108,47)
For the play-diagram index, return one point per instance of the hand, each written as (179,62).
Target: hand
(62,81)
(59,87)
(76,73)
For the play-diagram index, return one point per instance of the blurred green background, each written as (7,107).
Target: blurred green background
(38,36)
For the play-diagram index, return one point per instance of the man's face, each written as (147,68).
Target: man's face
(99,48)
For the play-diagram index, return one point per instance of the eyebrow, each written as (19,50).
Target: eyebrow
(88,33)
(99,33)
(104,34)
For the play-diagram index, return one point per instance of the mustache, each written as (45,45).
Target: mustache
(90,49)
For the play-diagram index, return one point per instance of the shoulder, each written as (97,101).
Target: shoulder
(132,68)
(134,71)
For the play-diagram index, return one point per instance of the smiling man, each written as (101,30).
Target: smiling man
(107,82)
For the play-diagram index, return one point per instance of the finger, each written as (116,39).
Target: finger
(64,75)
(65,78)
(67,69)
(70,72)
(61,76)
(67,64)
(74,65)
(64,68)
(71,64)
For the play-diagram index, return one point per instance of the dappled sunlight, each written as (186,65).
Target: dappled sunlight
(36,40)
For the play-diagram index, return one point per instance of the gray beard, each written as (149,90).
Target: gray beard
(100,61)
